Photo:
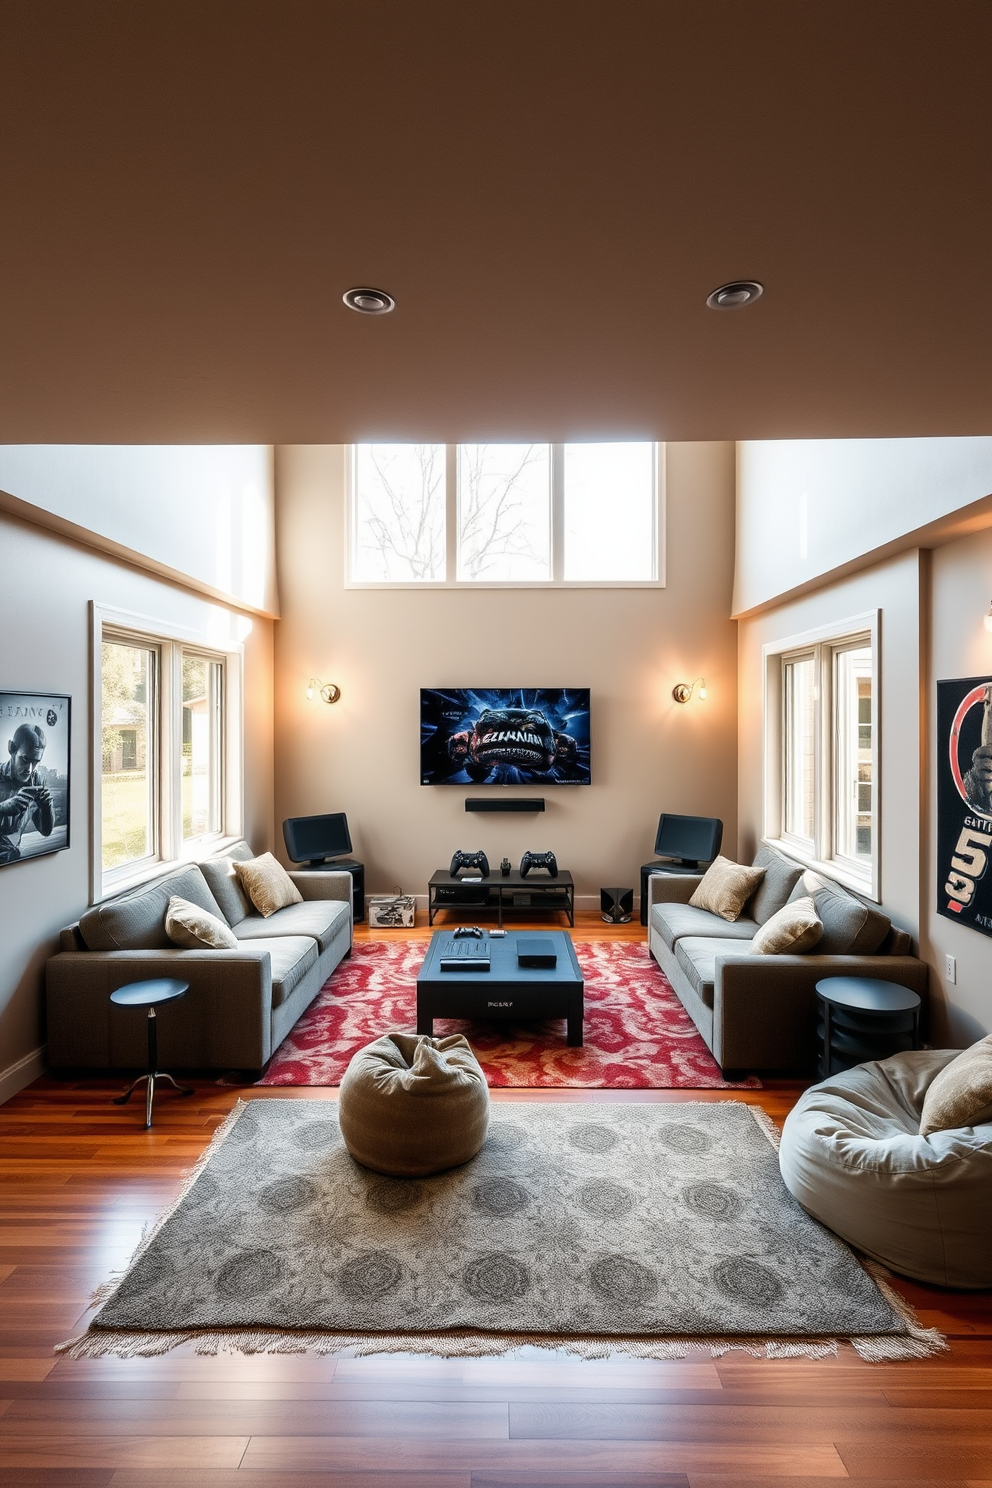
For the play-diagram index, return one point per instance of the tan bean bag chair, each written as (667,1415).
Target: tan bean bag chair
(853,1156)
(411,1105)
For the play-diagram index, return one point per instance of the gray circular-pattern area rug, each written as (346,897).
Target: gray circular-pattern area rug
(650,1223)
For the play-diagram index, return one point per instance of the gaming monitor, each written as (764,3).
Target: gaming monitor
(690,839)
(312,839)
(504,736)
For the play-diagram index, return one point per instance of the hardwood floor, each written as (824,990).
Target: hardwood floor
(81,1178)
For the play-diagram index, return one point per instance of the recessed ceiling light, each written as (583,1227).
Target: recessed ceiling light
(369,301)
(735,295)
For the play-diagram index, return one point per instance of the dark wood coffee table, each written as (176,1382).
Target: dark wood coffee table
(506,990)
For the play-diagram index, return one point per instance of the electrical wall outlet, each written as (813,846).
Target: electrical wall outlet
(951,969)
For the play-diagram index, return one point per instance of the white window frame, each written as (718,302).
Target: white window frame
(823,644)
(557,514)
(171,850)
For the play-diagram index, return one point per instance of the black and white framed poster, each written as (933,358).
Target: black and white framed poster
(964,801)
(34,774)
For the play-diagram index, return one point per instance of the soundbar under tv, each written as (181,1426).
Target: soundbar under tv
(504,803)
(505,736)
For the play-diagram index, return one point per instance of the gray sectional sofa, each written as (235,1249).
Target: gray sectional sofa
(240,1004)
(759,1012)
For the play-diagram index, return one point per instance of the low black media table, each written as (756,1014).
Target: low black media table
(538,892)
(506,990)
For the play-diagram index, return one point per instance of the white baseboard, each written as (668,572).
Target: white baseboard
(16,1076)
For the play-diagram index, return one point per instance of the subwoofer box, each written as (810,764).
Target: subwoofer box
(616,905)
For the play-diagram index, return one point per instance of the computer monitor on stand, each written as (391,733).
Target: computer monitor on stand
(685,842)
(314,839)
(322,843)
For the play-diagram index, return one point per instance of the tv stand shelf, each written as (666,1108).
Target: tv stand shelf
(343,865)
(484,896)
(663,866)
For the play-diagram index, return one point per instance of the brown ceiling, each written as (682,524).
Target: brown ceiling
(548,187)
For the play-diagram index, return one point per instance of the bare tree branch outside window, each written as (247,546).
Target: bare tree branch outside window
(504,528)
(400,512)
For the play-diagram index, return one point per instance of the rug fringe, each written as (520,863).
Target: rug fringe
(765,1124)
(453,1345)
(922,1343)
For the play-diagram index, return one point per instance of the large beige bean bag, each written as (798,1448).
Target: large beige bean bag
(853,1156)
(410,1105)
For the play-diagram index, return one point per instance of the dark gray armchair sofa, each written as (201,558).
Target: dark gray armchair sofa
(759,1012)
(240,1004)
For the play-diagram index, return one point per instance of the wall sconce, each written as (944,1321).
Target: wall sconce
(988,619)
(682,691)
(329,691)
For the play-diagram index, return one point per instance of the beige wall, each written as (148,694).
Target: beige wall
(629,646)
(894,588)
(961,647)
(47,585)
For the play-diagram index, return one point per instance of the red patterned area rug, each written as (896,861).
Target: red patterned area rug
(638,1036)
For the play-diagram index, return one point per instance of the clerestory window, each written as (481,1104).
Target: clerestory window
(520,515)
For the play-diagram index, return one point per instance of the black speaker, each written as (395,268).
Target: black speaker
(616,905)
(504,803)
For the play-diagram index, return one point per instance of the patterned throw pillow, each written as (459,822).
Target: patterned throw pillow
(194,929)
(793,930)
(725,888)
(267,884)
(961,1095)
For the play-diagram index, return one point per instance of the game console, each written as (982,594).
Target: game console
(533,950)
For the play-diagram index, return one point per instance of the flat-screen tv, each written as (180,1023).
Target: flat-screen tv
(504,736)
(313,839)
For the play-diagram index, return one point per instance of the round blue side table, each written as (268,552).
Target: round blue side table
(150,995)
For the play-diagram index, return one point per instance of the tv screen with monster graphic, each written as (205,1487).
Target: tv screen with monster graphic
(504,736)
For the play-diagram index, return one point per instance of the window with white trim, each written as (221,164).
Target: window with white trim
(821,749)
(168,744)
(519,515)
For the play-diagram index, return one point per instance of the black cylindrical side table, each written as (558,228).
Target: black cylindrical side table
(149,995)
(862,1019)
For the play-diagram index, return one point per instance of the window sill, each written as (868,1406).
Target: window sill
(149,872)
(468,585)
(866,885)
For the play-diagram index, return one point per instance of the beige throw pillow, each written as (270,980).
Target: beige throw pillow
(194,929)
(794,929)
(725,888)
(961,1095)
(267,884)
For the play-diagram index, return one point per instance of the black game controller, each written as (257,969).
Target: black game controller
(470,860)
(538,860)
(468,932)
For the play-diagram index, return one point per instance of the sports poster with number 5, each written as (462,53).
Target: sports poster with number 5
(964,801)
